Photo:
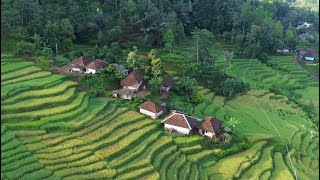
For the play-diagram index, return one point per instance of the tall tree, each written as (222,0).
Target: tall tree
(152,24)
(169,39)
(203,41)
(99,23)
(227,56)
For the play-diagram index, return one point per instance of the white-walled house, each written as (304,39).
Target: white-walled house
(133,81)
(87,65)
(151,109)
(79,64)
(179,122)
(94,66)
(210,127)
(78,69)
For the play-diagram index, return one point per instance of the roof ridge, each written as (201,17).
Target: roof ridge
(186,121)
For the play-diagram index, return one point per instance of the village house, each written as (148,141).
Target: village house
(151,109)
(210,127)
(121,69)
(133,81)
(165,87)
(94,66)
(309,55)
(79,65)
(87,65)
(166,84)
(124,93)
(130,85)
(179,122)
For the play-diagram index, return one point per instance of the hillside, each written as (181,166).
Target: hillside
(51,130)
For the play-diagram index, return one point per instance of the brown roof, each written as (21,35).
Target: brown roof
(82,61)
(167,82)
(211,125)
(97,64)
(133,78)
(180,120)
(310,53)
(151,106)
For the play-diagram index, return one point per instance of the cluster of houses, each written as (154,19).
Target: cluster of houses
(87,65)
(182,123)
(134,82)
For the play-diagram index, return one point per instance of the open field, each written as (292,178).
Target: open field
(50,130)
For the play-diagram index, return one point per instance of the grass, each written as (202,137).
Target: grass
(6,68)
(19,73)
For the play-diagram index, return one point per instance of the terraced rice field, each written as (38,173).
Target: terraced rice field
(50,130)
(295,128)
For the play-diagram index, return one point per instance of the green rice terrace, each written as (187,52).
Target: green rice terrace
(51,130)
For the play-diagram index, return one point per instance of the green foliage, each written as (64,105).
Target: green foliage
(114,34)
(132,59)
(99,23)
(152,24)
(231,88)
(61,60)
(154,84)
(156,67)
(169,39)
(203,41)
(59,34)
(25,48)
(233,122)
(47,53)
(42,61)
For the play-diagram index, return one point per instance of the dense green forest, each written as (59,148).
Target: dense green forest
(258,28)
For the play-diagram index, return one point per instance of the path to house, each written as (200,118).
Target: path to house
(296,61)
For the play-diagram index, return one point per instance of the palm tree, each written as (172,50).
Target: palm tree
(99,23)
(227,57)
(233,122)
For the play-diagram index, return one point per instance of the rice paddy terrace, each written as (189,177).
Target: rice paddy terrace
(51,130)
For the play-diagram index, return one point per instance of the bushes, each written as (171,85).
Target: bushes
(25,48)
(61,60)
(42,61)
(231,88)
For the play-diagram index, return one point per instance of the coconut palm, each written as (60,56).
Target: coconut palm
(99,23)
(233,122)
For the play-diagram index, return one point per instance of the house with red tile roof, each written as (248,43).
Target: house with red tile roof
(133,81)
(87,65)
(94,66)
(179,122)
(79,64)
(151,109)
(210,127)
